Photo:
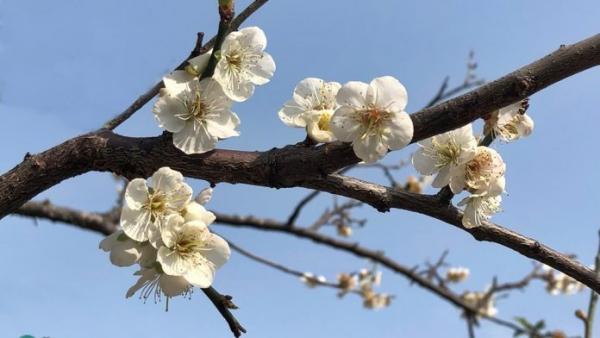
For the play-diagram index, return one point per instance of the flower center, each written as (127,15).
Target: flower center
(373,118)
(234,60)
(447,153)
(157,203)
(324,121)
(190,243)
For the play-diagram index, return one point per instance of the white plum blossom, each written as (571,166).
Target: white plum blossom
(445,155)
(482,301)
(310,280)
(457,274)
(147,204)
(511,122)
(243,63)
(479,209)
(197,113)
(197,65)
(558,283)
(372,117)
(312,106)
(190,250)
(376,301)
(346,283)
(483,174)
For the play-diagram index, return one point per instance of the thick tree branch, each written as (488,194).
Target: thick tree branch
(286,167)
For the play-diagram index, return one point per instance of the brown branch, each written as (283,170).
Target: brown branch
(290,166)
(152,92)
(591,313)
(41,210)
(384,198)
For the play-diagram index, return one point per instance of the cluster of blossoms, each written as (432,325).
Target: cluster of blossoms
(166,233)
(484,302)
(364,283)
(457,274)
(557,283)
(197,109)
(370,116)
(460,163)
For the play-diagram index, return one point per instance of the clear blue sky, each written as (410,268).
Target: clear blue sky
(66,66)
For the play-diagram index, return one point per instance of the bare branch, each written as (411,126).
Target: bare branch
(223,303)
(591,313)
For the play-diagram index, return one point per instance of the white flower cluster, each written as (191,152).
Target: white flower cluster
(461,164)
(198,112)
(557,283)
(482,301)
(370,116)
(166,233)
(457,274)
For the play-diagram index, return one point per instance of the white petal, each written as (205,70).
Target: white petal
(166,179)
(136,223)
(165,111)
(200,62)
(126,253)
(442,179)
(387,91)
(399,131)
(353,94)
(292,114)
(196,212)
(308,87)
(204,196)
(110,241)
(318,135)
(234,86)
(146,275)
(136,193)
(262,72)
(369,148)
(457,179)
(172,263)
(424,164)
(344,125)
(223,125)
(194,139)
(173,285)
(201,275)
(171,227)
(219,252)
(177,82)
(253,37)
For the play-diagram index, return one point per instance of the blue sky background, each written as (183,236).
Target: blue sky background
(67,66)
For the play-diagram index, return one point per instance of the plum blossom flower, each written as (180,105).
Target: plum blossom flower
(482,301)
(479,209)
(511,122)
(372,117)
(190,250)
(197,113)
(146,205)
(311,107)
(376,301)
(559,283)
(310,280)
(483,174)
(346,283)
(457,274)
(243,63)
(445,155)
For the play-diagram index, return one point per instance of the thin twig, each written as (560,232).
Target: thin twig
(591,313)
(223,303)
